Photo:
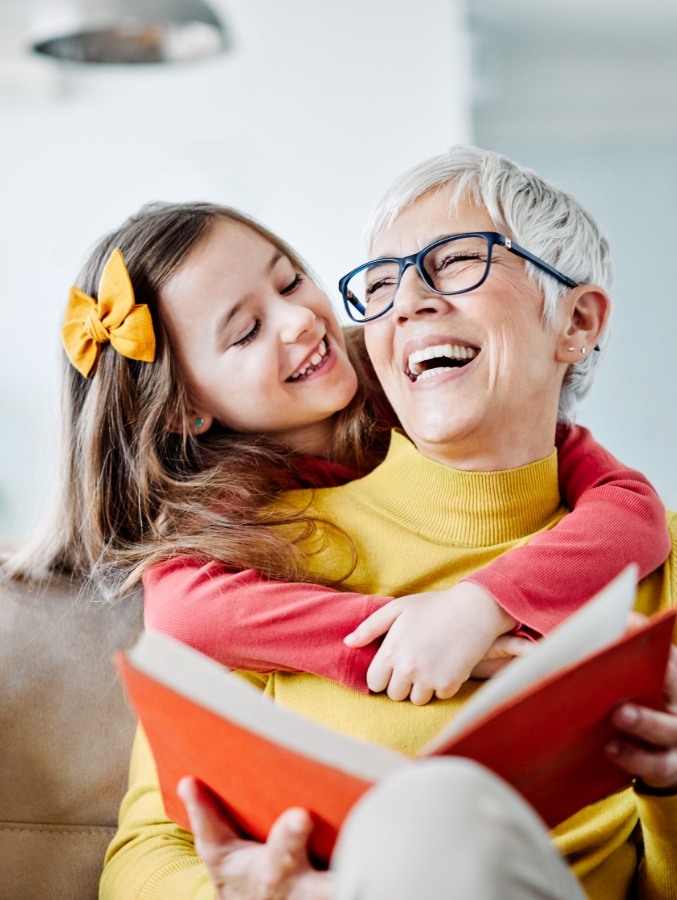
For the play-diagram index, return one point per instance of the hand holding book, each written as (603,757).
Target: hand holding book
(280,867)
(646,746)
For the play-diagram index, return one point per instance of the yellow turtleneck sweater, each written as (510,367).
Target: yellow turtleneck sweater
(415,526)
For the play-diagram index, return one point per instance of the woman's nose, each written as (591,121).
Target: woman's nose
(414,298)
(296,321)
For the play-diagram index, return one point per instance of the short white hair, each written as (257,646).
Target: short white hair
(533,212)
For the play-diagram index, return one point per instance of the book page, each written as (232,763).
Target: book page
(214,687)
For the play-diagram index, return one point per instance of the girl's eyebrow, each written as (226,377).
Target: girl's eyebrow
(224,320)
(275,258)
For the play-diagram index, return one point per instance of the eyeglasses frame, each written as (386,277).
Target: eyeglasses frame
(493,239)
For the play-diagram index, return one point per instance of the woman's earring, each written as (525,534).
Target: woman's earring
(200,422)
(571,349)
(582,349)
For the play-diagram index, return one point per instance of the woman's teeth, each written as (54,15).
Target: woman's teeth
(437,359)
(313,363)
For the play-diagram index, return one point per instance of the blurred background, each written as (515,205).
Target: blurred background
(302,117)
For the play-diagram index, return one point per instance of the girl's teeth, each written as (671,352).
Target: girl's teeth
(314,360)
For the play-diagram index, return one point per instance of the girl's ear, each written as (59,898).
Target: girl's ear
(198,424)
(587,314)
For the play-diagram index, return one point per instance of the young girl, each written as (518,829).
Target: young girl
(206,375)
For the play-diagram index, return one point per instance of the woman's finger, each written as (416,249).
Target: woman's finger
(651,726)
(655,767)
(671,682)
(214,836)
(288,841)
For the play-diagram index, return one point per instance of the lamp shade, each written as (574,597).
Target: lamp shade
(135,31)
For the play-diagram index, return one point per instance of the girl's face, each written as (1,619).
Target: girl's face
(257,340)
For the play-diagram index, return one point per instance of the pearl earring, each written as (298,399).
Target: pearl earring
(571,349)
(582,349)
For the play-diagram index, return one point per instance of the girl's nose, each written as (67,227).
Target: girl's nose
(296,321)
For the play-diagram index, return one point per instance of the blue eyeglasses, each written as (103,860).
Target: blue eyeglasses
(455,264)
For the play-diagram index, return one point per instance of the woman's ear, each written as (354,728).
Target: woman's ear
(587,314)
(198,424)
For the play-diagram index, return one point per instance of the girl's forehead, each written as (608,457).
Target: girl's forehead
(228,246)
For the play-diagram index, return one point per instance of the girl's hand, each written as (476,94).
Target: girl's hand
(647,746)
(433,641)
(504,649)
(247,870)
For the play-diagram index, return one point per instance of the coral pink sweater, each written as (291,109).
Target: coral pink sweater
(248,622)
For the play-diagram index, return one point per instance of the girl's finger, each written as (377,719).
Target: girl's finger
(379,674)
(399,686)
(419,695)
(509,645)
(375,625)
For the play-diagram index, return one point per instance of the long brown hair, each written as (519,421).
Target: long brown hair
(131,491)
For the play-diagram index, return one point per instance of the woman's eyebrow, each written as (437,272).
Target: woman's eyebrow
(430,240)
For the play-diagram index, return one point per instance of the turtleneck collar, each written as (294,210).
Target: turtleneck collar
(470,509)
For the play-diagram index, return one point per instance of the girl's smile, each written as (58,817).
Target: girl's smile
(317,361)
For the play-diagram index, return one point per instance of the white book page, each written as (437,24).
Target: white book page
(599,622)
(211,685)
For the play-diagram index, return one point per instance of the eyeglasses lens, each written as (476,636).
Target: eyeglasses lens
(457,265)
(451,267)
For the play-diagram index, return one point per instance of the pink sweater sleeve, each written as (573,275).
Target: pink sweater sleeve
(247,622)
(617,519)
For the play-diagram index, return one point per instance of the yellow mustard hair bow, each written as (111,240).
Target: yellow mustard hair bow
(114,317)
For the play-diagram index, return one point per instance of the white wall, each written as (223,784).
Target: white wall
(587,95)
(632,190)
(303,124)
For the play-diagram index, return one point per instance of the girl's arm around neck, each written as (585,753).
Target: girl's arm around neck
(617,519)
(246,621)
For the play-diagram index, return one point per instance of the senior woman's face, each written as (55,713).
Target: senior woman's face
(495,405)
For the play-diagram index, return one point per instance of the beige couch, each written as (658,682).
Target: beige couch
(66,737)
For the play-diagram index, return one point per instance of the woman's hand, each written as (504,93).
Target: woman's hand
(433,641)
(248,870)
(647,746)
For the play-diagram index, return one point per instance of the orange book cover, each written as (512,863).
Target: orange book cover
(541,725)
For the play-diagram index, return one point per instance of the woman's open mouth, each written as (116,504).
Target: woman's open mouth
(437,360)
(313,362)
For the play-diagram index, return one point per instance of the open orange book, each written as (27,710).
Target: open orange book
(541,724)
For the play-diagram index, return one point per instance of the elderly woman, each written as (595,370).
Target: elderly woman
(486,283)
